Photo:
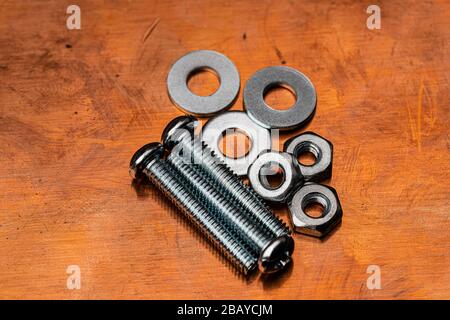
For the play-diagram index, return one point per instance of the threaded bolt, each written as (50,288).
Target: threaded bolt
(180,131)
(250,233)
(148,161)
(273,252)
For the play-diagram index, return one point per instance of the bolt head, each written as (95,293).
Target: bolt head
(276,255)
(177,130)
(143,157)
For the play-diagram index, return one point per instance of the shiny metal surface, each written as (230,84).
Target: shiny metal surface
(191,103)
(311,193)
(253,236)
(267,78)
(261,168)
(320,147)
(259,137)
(219,190)
(277,254)
(273,253)
(147,161)
(180,132)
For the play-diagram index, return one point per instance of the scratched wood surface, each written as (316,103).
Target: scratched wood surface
(76,104)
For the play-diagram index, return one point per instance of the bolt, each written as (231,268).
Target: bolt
(273,252)
(256,224)
(180,131)
(147,161)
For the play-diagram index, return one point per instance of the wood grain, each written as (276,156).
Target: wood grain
(76,104)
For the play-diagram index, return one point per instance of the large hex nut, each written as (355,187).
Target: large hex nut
(320,147)
(311,193)
(265,165)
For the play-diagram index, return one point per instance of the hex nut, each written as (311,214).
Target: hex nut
(320,147)
(263,166)
(311,193)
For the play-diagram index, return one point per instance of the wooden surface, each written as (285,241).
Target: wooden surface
(76,104)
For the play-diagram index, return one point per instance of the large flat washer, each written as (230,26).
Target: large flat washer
(259,137)
(191,103)
(264,80)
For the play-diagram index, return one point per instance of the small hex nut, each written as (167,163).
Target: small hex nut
(320,147)
(311,193)
(264,166)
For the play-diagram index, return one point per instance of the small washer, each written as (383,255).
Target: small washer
(191,103)
(259,138)
(264,80)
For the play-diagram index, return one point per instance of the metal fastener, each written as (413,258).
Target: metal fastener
(180,131)
(314,193)
(147,161)
(321,148)
(264,80)
(259,138)
(191,103)
(263,167)
(273,252)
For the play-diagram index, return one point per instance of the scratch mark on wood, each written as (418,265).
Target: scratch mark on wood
(150,30)
(280,55)
(416,126)
(221,41)
(419,117)
(411,124)
(268,37)
(432,107)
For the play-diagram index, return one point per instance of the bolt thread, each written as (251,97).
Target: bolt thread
(161,174)
(214,169)
(234,217)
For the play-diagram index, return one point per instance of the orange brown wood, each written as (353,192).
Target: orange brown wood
(76,104)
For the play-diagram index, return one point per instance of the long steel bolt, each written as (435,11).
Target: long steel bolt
(180,131)
(147,161)
(249,232)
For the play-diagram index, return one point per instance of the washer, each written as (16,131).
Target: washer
(259,138)
(194,61)
(264,80)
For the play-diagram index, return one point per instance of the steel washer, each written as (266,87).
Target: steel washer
(191,103)
(259,137)
(267,78)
